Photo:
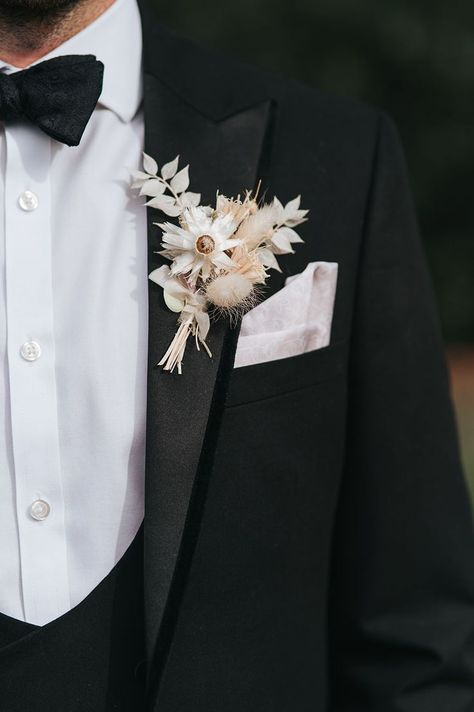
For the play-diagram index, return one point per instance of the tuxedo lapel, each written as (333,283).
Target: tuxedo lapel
(184,411)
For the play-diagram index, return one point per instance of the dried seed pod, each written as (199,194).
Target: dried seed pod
(228,291)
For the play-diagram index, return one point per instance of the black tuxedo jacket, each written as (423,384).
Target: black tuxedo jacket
(308,537)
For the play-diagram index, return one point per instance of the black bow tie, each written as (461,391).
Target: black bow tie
(58,95)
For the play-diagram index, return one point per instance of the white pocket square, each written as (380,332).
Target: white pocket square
(293,321)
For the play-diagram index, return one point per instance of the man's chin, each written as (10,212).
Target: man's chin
(36,8)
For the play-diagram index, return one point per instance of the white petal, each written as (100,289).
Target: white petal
(294,222)
(203,322)
(169,254)
(281,243)
(220,259)
(279,209)
(160,275)
(172,285)
(173,240)
(298,218)
(150,165)
(173,303)
(205,270)
(197,221)
(291,234)
(268,259)
(169,169)
(173,243)
(180,182)
(177,289)
(292,207)
(182,263)
(224,226)
(171,228)
(229,244)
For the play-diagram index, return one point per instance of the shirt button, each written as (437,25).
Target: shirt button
(28,201)
(40,510)
(30,351)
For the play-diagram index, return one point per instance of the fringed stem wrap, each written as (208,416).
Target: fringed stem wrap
(192,322)
(175,353)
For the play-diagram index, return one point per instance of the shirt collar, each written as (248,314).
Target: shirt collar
(115,38)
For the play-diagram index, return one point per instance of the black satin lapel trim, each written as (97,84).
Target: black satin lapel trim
(184,411)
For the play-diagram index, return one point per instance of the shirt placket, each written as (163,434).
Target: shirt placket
(31,370)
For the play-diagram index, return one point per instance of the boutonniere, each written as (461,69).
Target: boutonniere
(219,255)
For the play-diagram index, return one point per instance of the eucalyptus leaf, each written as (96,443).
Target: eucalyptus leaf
(172,210)
(150,165)
(180,182)
(172,302)
(153,188)
(189,199)
(169,169)
(160,201)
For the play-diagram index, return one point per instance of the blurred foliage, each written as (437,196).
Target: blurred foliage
(415,59)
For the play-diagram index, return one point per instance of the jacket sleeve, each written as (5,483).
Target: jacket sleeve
(401,603)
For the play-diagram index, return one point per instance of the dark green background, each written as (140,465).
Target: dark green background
(415,59)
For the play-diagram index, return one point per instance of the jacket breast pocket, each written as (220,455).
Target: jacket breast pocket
(266,380)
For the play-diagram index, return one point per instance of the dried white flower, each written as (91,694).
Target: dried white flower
(200,245)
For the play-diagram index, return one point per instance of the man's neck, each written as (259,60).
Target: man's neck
(26,41)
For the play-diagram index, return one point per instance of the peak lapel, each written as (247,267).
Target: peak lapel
(184,411)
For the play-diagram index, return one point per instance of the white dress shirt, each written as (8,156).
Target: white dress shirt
(73,339)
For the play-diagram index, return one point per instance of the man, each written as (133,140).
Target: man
(306,540)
